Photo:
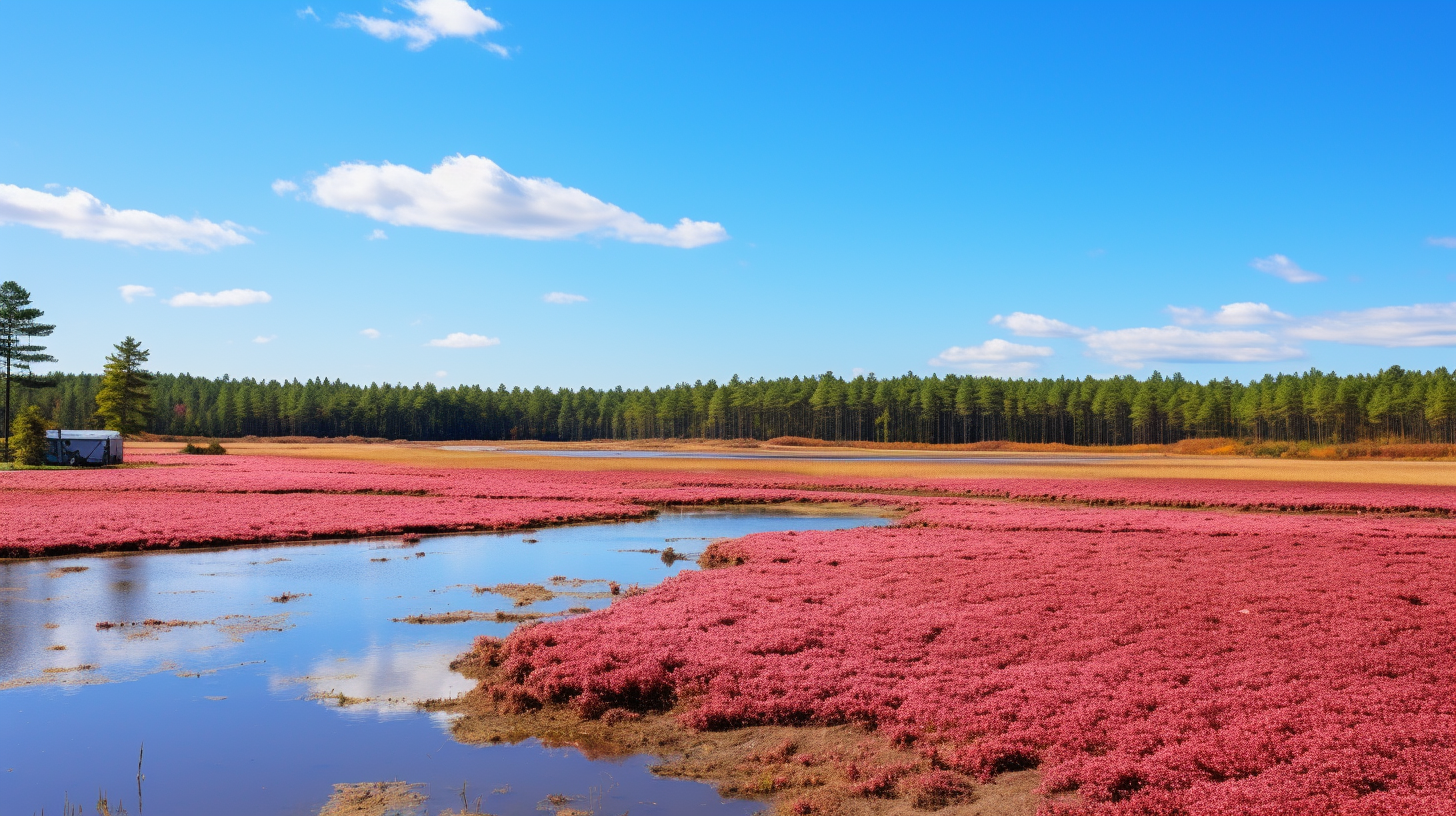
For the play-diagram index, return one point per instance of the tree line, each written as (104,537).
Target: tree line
(1313,406)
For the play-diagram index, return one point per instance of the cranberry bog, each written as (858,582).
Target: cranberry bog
(1131,646)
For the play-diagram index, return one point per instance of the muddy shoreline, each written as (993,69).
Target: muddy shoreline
(830,770)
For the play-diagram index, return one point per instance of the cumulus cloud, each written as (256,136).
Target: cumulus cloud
(284,187)
(1230,314)
(472,194)
(433,19)
(78,214)
(1447,241)
(1175,344)
(1035,325)
(563,298)
(1281,266)
(992,357)
(131,291)
(372,334)
(1420,325)
(464,340)
(227,297)
(377,235)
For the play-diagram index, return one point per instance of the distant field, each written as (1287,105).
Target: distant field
(1093,464)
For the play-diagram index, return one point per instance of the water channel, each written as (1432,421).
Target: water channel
(239,707)
(804,456)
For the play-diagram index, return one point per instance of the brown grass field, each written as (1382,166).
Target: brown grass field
(1104,463)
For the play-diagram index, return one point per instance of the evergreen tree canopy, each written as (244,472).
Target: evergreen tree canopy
(18,351)
(1313,406)
(29,437)
(124,400)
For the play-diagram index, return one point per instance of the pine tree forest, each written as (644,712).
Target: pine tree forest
(1313,406)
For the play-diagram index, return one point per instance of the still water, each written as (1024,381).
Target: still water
(797,456)
(238,705)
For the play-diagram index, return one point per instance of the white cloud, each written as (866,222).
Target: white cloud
(1035,325)
(265,338)
(472,194)
(1230,314)
(377,235)
(307,13)
(372,334)
(442,374)
(463,340)
(1187,315)
(1448,241)
(994,356)
(131,291)
(1175,344)
(284,186)
(563,298)
(227,297)
(78,214)
(433,19)
(1282,267)
(1420,325)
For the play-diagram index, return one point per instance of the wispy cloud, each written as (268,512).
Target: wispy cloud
(262,338)
(472,194)
(1176,344)
(1231,314)
(1447,241)
(462,340)
(131,291)
(372,334)
(307,13)
(563,298)
(1419,325)
(78,214)
(1281,266)
(227,297)
(1023,324)
(377,235)
(995,356)
(284,186)
(433,19)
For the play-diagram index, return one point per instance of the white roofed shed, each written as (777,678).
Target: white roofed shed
(83,447)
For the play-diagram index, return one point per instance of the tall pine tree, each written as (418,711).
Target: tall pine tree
(18,350)
(125,398)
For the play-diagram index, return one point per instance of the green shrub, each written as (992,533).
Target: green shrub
(28,437)
(213,449)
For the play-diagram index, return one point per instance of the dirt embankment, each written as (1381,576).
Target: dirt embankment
(840,770)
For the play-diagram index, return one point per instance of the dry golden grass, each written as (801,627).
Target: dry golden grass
(1029,465)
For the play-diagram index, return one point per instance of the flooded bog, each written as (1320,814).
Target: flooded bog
(259,678)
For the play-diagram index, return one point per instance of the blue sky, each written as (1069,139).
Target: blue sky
(1017,189)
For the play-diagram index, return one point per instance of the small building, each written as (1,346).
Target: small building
(83,448)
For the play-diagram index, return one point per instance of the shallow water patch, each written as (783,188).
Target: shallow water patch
(265,706)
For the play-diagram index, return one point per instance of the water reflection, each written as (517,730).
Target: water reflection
(274,702)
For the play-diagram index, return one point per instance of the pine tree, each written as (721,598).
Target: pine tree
(125,397)
(17,326)
(29,437)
